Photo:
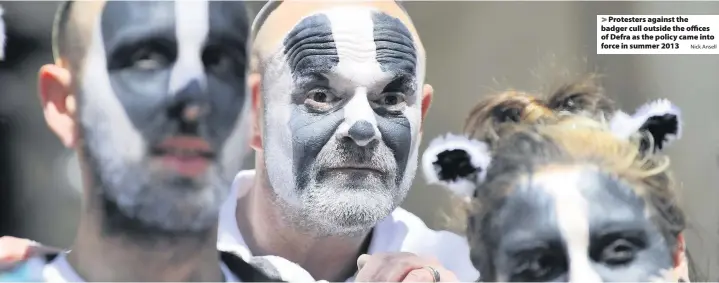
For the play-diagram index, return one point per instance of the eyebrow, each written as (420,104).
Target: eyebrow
(612,227)
(401,82)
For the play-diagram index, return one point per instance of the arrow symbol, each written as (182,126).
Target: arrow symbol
(604,19)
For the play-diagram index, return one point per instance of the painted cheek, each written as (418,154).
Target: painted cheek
(397,135)
(143,95)
(227,101)
(310,133)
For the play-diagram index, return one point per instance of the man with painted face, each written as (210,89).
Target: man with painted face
(339,97)
(152,95)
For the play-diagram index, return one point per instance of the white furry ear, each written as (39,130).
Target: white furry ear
(456,162)
(661,119)
(2,35)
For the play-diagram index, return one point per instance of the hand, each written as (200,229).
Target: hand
(400,267)
(14,250)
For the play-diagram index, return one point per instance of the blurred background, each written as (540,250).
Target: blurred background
(474,48)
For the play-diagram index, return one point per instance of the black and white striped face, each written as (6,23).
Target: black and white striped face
(162,107)
(342,117)
(575,225)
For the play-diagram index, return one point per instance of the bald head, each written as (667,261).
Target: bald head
(342,87)
(280,17)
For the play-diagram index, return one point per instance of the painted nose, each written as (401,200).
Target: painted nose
(362,133)
(189,105)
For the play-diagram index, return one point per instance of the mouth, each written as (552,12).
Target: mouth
(187,156)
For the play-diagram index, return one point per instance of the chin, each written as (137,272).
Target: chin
(170,202)
(338,210)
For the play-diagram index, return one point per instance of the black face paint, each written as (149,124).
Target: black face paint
(395,48)
(152,73)
(142,48)
(310,48)
(349,105)
(527,242)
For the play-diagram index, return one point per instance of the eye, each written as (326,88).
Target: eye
(540,267)
(151,57)
(219,60)
(392,99)
(320,99)
(571,103)
(619,252)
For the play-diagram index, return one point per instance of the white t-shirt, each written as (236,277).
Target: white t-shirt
(402,231)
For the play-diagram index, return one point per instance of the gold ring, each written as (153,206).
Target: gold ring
(435,273)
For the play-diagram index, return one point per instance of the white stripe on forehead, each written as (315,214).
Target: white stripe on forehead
(192,25)
(572,215)
(353,33)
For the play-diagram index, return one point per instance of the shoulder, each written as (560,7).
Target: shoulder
(281,268)
(413,235)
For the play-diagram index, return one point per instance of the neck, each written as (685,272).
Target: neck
(267,232)
(110,254)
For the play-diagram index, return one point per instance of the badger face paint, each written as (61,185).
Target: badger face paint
(163,103)
(576,225)
(342,116)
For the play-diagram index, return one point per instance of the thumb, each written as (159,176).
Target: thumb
(361,260)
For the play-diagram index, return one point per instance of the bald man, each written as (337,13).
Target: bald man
(338,99)
(152,95)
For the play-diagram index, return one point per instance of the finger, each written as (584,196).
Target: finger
(13,249)
(404,263)
(419,275)
(362,260)
(425,275)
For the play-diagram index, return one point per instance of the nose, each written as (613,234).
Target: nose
(362,133)
(188,106)
(359,124)
(581,270)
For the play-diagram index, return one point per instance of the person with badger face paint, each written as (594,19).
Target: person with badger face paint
(153,96)
(540,178)
(338,97)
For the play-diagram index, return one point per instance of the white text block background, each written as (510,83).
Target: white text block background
(657,34)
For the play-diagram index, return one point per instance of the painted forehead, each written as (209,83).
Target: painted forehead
(132,22)
(350,36)
(556,202)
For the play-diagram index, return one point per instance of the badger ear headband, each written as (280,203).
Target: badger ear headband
(459,163)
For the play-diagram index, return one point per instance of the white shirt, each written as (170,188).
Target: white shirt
(59,270)
(402,231)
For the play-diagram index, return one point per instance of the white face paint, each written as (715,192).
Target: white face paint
(572,212)
(342,116)
(575,224)
(145,70)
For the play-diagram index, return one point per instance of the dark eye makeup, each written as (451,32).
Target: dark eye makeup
(149,52)
(539,264)
(617,248)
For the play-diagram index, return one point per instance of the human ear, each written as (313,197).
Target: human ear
(58,102)
(255,83)
(427,92)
